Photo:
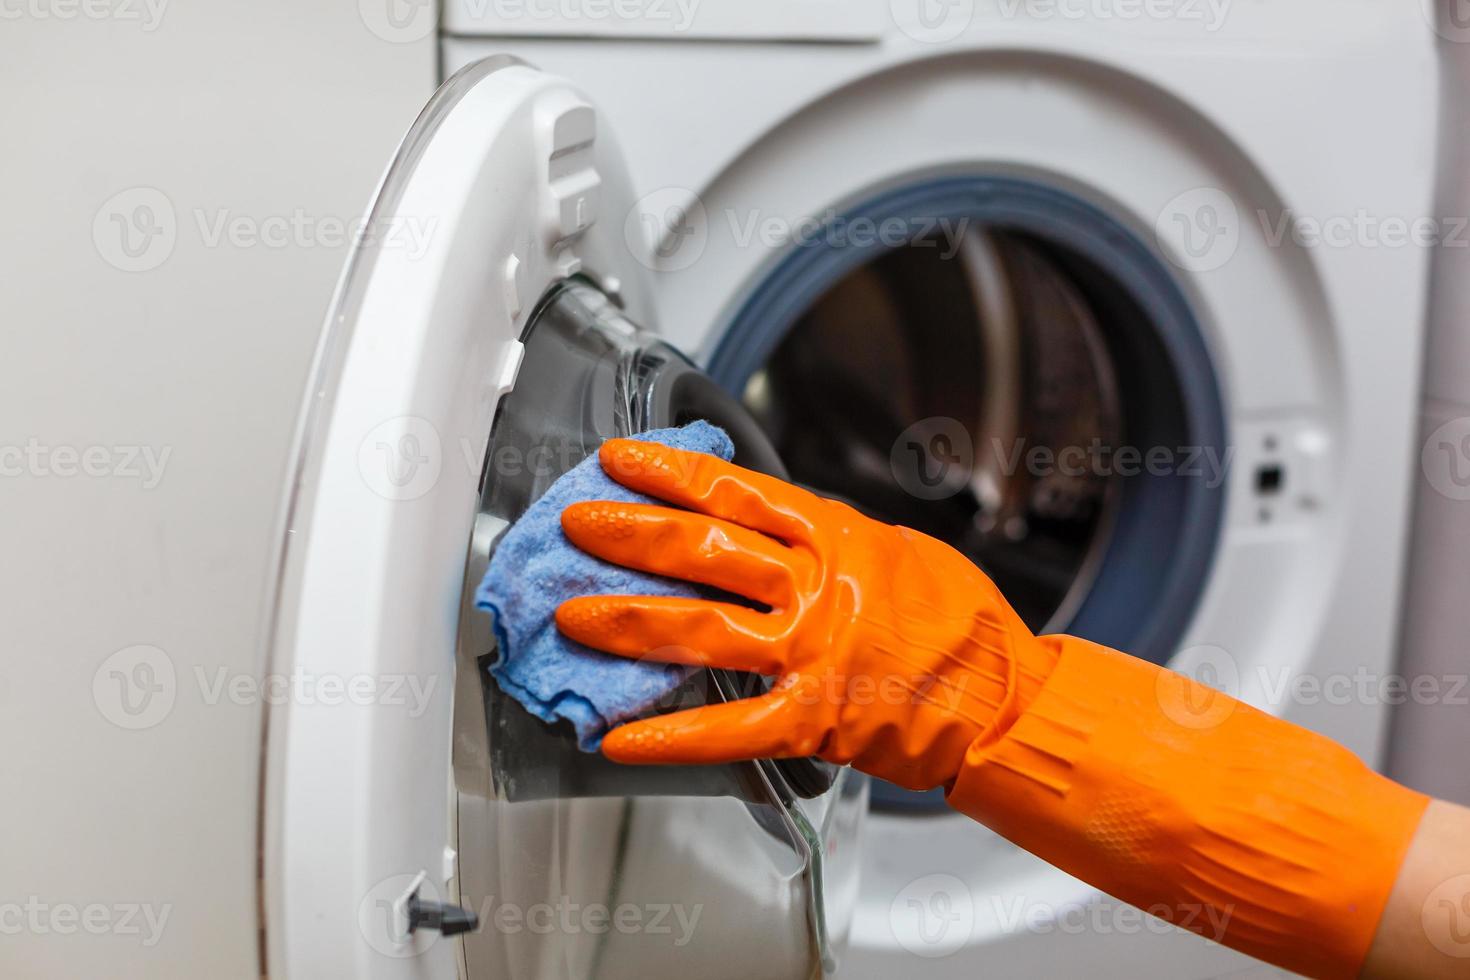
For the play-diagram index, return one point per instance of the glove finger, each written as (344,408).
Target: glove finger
(708,484)
(766,727)
(676,630)
(682,545)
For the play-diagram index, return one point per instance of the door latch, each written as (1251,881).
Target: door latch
(442,917)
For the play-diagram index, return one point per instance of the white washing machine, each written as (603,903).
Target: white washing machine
(945,238)
(1046,280)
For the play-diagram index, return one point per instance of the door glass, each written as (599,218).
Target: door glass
(582,868)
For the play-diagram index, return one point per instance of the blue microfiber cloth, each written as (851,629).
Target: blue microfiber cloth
(535,568)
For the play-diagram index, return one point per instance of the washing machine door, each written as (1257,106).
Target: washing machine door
(489,332)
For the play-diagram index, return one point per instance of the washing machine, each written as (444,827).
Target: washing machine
(1064,284)
(920,273)
(937,252)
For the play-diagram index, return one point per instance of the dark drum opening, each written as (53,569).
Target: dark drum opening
(998,382)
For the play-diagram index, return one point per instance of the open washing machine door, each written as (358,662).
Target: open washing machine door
(486,337)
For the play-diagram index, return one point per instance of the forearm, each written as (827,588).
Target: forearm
(1425,930)
(1198,808)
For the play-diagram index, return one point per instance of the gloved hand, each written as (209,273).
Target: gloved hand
(893,651)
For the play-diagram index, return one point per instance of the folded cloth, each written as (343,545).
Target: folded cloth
(535,568)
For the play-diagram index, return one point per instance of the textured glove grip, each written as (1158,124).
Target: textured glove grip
(1197,808)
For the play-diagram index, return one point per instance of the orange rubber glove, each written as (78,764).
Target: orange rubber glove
(894,653)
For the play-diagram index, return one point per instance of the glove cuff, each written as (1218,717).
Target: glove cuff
(1197,808)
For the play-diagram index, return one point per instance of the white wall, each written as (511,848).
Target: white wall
(246,109)
(1430,736)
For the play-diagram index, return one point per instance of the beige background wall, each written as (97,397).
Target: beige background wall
(269,121)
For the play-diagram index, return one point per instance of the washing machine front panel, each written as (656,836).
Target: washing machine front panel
(1160,129)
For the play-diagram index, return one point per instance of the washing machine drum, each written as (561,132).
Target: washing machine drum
(722,856)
